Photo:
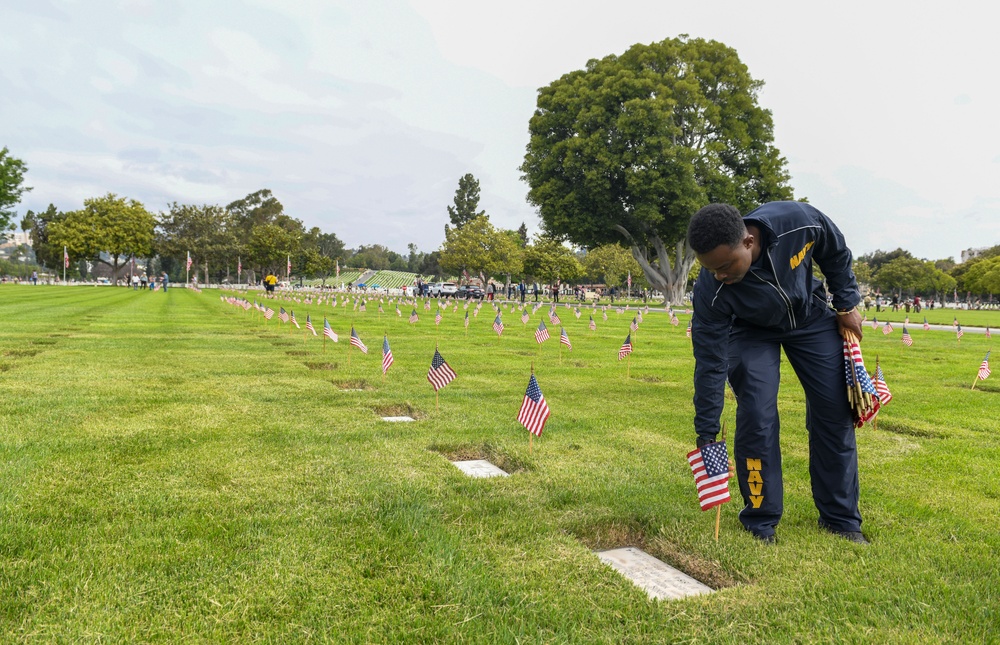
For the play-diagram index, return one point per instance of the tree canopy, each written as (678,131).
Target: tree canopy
(112,225)
(629,148)
(11,186)
(466,202)
(479,247)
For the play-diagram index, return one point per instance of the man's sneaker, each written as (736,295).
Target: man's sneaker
(851,536)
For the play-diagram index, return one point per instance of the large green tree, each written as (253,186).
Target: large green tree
(111,225)
(466,202)
(611,265)
(547,260)
(629,148)
(37,226)
(11,186)
(203,231)
(480,247)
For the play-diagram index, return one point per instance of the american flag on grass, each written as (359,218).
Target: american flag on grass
(309,325)
(525,317)
(634,325)
(437,317)
(577,313)
(282,315)
(413,316)
(984,367)
(427,305)
(710,467)
(398,312)
(498,325)
(268,313)
(542,333)
(673,319)
(328,330)
(440,374)
(875,322)
(959,333)
(887,329)
(907,339)
(688,332)
(534,410)
(386,354)
(555,319)
(564,339)
(593,325)
(604,316)
(988,335)
(356,341)
(363,305)
(884,396)
(295,322)
(626,347)
(927,325)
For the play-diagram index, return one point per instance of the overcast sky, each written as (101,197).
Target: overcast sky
(362,116)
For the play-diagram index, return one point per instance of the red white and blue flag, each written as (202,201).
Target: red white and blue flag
(884,396)
(907,339)
(309,324)
(564,339)
(542,333)
(413,316)
(887,329)
(534,410)
(440,374)
(356,341)
(984,367)
(959,333)
(626,347)
(386,354)
(328,330)
(593,325)
(927,325)
(710,467)
(497,325)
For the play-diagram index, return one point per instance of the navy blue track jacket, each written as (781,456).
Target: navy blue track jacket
(779,293)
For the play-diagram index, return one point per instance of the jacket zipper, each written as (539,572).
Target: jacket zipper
(777,287)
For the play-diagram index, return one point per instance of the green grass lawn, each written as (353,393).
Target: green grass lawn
(174,469)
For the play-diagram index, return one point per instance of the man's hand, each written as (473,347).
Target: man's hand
(850,321)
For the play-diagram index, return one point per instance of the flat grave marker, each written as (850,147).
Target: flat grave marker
(660,580)
(398,419)
(479,468)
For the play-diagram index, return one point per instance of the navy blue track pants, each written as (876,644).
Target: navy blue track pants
(815,352)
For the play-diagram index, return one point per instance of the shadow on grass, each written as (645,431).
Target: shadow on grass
(320,365)
(909,428)
(21,353)
(394,409)
(353,384)
(496,455)
(617,534)
(43,341)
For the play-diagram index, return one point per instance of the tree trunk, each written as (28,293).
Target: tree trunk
(669,278)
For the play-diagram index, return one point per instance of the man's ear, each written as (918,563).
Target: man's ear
(748,240)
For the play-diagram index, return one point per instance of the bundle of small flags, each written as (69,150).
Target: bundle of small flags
(861,392)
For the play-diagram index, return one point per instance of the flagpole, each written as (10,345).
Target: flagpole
(718,509)
(628,363)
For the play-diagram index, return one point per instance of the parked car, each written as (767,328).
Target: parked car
(439,289)
(468,291)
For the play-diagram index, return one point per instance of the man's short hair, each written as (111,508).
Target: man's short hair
(714,225)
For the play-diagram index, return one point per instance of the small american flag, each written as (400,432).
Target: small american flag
(525,317)
(887,329)
(427,305)
(710,467)
(673,319)
(437,317)
(689,329)
(959,333)
(328,330)
(907,339)
(542,333)
(356,341)
(634,325)
(555,319)
(927,325)
(282,315)
(577,313)
(386,354)
(988,335)
(498,325)
(875,322)
(984,367)
(604,316)
(534,410)
(363,307)
(380,310)
(593,325)
(268,313)
(626,348)
(295,322)
(884,396)
(189,261)
(564,339)
(413,316)
(309,325)
(440,374)
(638,316)
(400,313)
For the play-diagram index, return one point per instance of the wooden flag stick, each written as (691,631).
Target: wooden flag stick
(531,442)
(718,509)
(628,364)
